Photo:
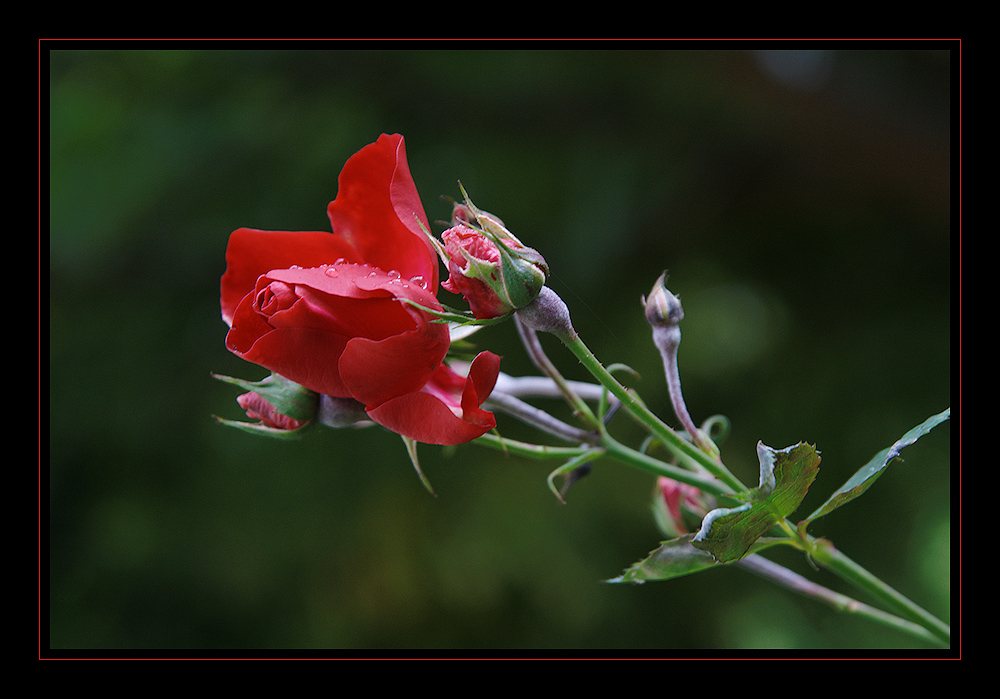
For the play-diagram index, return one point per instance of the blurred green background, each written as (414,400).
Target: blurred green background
(799,199)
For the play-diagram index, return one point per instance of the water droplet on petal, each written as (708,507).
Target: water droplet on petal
(393,274)
(331,272)
(419,281)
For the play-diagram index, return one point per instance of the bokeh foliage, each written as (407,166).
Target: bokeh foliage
(801,203)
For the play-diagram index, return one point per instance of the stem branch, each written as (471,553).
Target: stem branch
(826,555)
(790,580)
(676,444)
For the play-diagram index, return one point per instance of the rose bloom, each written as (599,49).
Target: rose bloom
(325,311)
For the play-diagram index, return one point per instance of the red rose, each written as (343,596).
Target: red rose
(324,310)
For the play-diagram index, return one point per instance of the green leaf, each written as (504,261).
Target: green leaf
(785,477)
(869,473)
(678,557)
(673,559)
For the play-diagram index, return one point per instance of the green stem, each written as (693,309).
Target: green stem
(630,457)
(529,338)
(676,444)
(915,621)
(826,555)
(534,451)
(549,314)
(796,583)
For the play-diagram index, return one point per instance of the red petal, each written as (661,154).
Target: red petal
(480,382)
(378,211)
(426,417)
(376,371)
(307,356)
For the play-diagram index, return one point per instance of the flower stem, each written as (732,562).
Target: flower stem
(666,340)
(676,444)
(537,418)
(826,555)
(529,338)
(637,459)
(780,575)
(534,451)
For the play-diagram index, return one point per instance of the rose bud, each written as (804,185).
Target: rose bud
(495,272)
(282,406)
(258,407)
(678,507)
(662,307)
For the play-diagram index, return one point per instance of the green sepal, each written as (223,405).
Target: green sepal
(261,430)
(411,450)
(452,315)
(567,470)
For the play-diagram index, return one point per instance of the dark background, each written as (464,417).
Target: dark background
(801,201)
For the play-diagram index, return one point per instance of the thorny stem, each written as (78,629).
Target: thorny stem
(826,555)
(548,313)
(613,449)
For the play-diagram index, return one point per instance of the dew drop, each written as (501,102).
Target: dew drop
(419,281)
(331,272)
(393,274)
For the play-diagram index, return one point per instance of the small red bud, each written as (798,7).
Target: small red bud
(258,408)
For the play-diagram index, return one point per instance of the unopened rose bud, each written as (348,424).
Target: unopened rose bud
(679,507)
(258,408)
(281,406)
(495,272)
(664,314)
(662,307)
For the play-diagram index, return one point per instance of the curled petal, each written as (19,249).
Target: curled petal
(446,410)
